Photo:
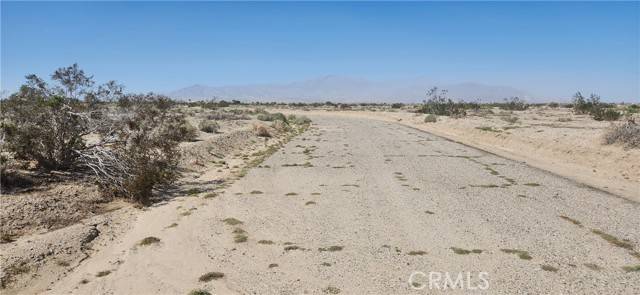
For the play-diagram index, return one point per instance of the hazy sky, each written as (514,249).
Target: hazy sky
(547,49)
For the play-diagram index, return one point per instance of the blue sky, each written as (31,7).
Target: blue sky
(548,49)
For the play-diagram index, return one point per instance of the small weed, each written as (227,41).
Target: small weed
(193,191)
(172,225)
(522,254)
(240,238)
(331,249)
(325,264)
(211,276)
(84,281)
(488,129)
(199,292)
(417,253)
(210,195)
(331,290)
(62,263)
(232,221)
(310,203)
(103,273)
(272,265)
(186,213)
(292,247)
(548,268)
(428,212)
(461,251)
(613,240)
(265,242)
(291,194)
(149,241)
(484,185)
(256,192)
(315,194)
(631,268)
(532,184)
(239,231)
(578,223)
(592,266)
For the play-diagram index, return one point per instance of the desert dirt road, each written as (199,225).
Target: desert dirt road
(355,206)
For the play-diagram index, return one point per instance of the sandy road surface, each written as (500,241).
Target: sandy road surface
(379,191)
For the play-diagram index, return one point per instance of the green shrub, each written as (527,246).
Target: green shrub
(514,104)
(430,118)
(438,104)
(272,117)
(602,114)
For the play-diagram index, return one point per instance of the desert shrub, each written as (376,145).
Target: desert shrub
(140,153)
(627,134)
(514,104)
(272,117)
(438,104)
(509,119)
(261,130)
(605,114)
(396,105)
(592,106)
(231,115)
(633,109)
(553,105)
(209,126)
(182,130)
(280,126)
(43,127)
(298,120)
(430,118)
(581,105)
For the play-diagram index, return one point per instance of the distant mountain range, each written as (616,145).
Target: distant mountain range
(345,89)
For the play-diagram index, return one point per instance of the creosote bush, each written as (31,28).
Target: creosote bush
(592,106)
(439,104)
(136,149)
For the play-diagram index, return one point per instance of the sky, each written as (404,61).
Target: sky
(550,50)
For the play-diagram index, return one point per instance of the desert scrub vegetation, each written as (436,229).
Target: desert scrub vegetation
(627,134)
(130,147)
(597,110)
(438,103)
(430,118)
(209,126)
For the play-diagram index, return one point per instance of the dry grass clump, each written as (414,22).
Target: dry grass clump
(103,273)
(613,240)
(214,275)
(417,253)
(149,241)
(627,134)
(232,221)
(261,130)
(199,292)
(522,254)
(548,268)
(430,118)
(209,126)
(461,251)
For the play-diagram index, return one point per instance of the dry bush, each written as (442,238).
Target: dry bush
(627,134)
(209,126)
(261,130)
(272,117)
(280,126)
(231,115)
(139,151)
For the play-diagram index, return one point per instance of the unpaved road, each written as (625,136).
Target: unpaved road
(379,191)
